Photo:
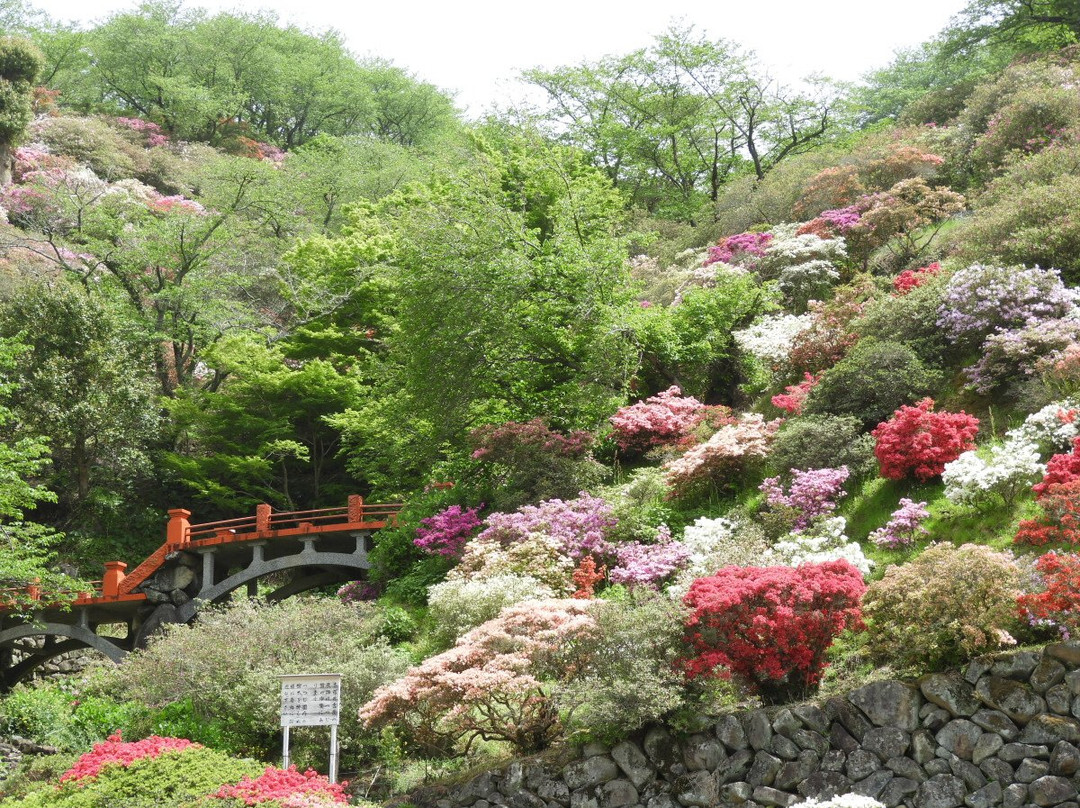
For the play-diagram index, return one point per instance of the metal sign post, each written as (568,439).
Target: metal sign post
(311,700)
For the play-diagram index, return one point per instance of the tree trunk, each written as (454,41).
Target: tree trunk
(5,164)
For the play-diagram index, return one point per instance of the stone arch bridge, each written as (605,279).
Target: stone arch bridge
(198,564)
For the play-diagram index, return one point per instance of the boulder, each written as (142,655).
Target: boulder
(951,692)
(941,791)
(996,721)
(1018,701)
(889,704)
(699,789)
(618,794)
(1067,652)
(590,772)
(633,762)
(1017,665)
(1046,674)
(1050,729)
(731,734)
(1051,790)
(959,737)
(1064,760)
(985,797)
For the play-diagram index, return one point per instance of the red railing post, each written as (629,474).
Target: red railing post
(177,533)
(356,508)
(262,517)
(114,574)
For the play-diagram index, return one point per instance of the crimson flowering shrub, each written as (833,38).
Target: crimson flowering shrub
(913,278)
(446,532)
(812,493)
(1057,600)
(657,421)
(918,441)
(725,453)
(771,626)
(118,752)
(1060,470)
(287,786)
(495,683)
(794,395)
(1059,522)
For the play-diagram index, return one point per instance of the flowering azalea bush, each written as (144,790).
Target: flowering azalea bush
(794,396)
(493,683)
(536,555)
(1056,601)
(446,532)
(1009,468)
(823,541)
(903,527)
(580,525)
(460,604)
(715,543)
(1053,428)
(980,300)
(724,453)
(913,278)
(292,788)
(946,605)
(1060,470)
(918,441)
(770,338)
(117,752)
(1059,522)
(742,248)
(812,493)
(658,420)
(1008,356)
(771,626)
(640,564)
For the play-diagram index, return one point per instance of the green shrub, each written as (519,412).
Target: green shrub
(871,382)
(172,780)
(95,143)
(229,662)
(910,320)
(947,605)
(58,715)
(823,441)
(631,679)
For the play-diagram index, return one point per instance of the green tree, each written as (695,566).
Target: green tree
(1023,25)
(20,63)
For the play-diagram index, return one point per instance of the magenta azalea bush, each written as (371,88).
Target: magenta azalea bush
(446,532)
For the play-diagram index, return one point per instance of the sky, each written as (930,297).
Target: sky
(476,48)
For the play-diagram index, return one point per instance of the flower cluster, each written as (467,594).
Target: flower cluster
(824,541)
(1017,352)
(1061,470)
(658,420)
(919,441)
(722,453)
(903,527)
(1057,601)
(359,591)
(1054,427)
(742,246)
(913,278)
(176,202)
(1010,468)
(536,555)
(460,604)
(118,752)
(649,564)
(1059,522)
(771,337)
(812,493)
(579,525)
(154,135)
(980,300)
(502,443)
(446,532)
(286,786)
(794,396)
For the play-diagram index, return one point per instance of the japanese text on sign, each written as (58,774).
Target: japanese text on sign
(310,700)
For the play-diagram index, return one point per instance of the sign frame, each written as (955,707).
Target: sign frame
(301,691)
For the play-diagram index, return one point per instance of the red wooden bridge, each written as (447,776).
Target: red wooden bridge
(198,564)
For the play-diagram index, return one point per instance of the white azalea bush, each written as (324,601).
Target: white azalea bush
(824,540)
(841,801)
(714,544)
(459,605)
(771,337)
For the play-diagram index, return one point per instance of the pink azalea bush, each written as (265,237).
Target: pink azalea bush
(903,527)
(732,248)
(812,493)
(291,788)
(446,532)
(640,564)
(118,752)
(580,525)
(657,421)
(722,454)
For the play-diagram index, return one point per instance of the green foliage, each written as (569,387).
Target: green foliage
(20,64)
(228,663)
(871,382)
(823,441)
(56,715)
(690,344)
(181,779)
(910,320)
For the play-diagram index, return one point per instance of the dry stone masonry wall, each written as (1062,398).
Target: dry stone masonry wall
(1004,732)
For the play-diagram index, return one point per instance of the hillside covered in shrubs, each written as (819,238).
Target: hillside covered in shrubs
(755,424)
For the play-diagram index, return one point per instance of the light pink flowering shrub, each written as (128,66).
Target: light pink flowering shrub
(903,527)
(494,683)
(657,421)
(723,454)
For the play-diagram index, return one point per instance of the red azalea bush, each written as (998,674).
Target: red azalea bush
(794,395)
(1058,603)
(122,753)
(771,626)
(1059,522)
(912,278)
(1061,469)
(918,441)
(285,786)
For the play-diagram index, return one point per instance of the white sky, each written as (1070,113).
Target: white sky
(477,47)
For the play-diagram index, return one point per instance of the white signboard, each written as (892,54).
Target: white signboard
(310,700)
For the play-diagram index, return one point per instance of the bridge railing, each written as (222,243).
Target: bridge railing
(266,519)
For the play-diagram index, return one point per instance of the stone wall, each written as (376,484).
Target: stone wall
(1004,732)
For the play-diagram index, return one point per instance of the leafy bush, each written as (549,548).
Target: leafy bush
(818,441)
(93,142)
(918,441)
(1004,471)
(715,543)
(722,456)
(946,605)
(1059,522)
(227,664)
(59,715)
(812,493)
(771,626)
(1012,355)
(871,382)
(910,319)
